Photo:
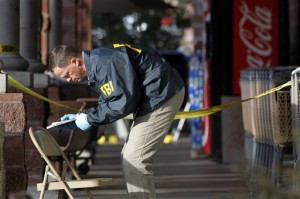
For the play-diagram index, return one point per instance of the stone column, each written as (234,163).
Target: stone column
(2,168)
(55,11)
(12,113)
(9,36)
(29,12)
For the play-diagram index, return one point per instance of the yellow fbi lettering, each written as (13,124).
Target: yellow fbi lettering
(127,45)
(107,88)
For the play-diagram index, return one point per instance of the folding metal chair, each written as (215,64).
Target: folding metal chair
(48,148)
(74,142)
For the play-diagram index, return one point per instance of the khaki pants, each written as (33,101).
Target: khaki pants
(145,137)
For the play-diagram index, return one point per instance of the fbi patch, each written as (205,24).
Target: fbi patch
(107,89)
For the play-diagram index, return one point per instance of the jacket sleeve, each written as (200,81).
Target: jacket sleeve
(118,87)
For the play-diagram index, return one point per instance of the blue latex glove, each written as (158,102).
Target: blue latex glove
(70,125)
(81,122)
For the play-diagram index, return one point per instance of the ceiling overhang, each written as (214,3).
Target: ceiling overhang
(102,6)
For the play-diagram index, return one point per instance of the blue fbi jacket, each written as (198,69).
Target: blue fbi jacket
(128,79)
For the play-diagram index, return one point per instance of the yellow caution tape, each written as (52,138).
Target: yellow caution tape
(179,115)
(214,109)
(18,85)
(12,49)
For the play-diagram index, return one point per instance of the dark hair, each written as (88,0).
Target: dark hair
(60,55)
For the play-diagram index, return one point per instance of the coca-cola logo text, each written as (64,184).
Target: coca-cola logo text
(256,35)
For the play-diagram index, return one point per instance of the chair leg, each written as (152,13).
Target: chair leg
(44,182)
(89,194)
(62,195)
(64,173)
(67,190)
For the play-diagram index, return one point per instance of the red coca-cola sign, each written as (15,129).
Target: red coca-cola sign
(255,36)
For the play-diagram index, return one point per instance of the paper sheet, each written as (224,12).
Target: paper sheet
(54,124)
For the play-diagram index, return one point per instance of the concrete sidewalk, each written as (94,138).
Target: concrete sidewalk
(177,175)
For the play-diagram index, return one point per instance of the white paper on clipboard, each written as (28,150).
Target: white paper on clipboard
(54,124)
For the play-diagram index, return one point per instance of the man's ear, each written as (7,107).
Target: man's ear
(76,61)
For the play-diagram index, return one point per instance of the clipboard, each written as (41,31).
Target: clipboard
(54,124)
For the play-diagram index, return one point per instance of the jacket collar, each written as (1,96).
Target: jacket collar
(88,65)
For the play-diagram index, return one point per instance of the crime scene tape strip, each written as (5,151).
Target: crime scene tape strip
(12,49)
(179,115)
(214,109)
(18,85)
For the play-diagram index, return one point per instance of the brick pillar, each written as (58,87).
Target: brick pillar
(12,113)
(36,116)
(36,111)
(2,169)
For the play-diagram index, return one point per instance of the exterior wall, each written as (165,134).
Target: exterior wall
(36,116)
(68,23)
(13,115)
(84,24)
(77,32)
(2,166)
